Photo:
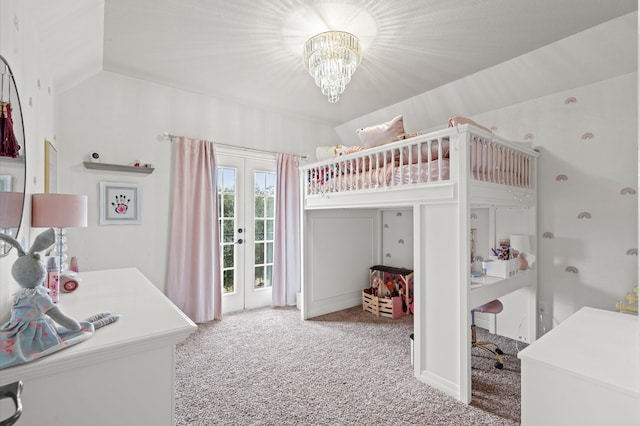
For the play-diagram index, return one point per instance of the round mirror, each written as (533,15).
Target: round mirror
(12,157)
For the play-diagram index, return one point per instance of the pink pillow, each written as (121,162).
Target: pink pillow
(382,133)
(456,119)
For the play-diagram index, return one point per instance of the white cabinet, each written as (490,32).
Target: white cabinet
(585,371)
(124,374)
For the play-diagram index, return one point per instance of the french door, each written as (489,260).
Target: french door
(246,207)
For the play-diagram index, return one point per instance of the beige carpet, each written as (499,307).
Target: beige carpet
(268,367)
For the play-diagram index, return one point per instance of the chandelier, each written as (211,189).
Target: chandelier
(331,58)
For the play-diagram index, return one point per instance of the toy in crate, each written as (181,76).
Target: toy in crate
(390,293)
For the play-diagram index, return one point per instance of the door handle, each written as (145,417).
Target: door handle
(240,241)
(240,230)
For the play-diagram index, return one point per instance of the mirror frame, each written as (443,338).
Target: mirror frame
(22,158)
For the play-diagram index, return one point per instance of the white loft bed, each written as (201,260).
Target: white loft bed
(442,177)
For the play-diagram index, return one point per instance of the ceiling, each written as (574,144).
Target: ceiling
(249,51)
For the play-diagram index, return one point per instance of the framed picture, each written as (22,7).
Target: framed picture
(6,183)
(120,203)
(50,168)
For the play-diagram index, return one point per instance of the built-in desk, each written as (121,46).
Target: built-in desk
(124,374)
(484,289)
(585,371)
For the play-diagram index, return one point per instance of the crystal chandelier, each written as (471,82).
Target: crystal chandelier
(331,58)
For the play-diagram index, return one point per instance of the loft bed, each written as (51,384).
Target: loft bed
(425,167)
(442,177)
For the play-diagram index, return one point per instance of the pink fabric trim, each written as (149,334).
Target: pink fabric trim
(286,257)
(193,274)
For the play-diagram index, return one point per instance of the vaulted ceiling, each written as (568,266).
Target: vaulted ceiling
(249,51)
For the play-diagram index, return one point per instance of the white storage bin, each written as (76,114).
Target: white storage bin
(500,268)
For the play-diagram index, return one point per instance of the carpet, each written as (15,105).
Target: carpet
(268,367)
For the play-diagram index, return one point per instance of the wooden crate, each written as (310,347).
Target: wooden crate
(402,280)
(382,306)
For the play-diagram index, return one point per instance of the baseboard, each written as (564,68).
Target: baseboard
(328,306)
(442,384)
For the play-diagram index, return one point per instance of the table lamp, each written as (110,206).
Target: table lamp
(521,243)
(59,211)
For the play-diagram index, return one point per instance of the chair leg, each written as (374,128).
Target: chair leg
(13,391)
(497,352)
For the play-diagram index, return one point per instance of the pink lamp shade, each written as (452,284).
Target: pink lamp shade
(10,209)
(59,210)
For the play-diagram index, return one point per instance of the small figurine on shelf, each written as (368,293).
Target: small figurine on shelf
(73,265)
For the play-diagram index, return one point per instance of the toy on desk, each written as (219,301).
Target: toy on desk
(69,282)
(31,332)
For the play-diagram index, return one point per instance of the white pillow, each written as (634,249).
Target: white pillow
(327,152)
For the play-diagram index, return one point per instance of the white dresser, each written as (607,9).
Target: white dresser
(585,371)
(124,374)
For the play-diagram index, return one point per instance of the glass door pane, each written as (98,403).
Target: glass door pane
(247,216)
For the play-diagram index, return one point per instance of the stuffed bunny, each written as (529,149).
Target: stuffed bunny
(31,332)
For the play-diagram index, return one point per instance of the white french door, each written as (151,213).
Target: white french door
(246,206)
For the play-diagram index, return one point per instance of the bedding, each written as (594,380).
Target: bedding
(330,179)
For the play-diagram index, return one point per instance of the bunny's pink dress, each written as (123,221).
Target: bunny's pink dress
(30,334)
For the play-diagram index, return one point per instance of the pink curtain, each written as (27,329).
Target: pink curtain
(286,257)
(193,275)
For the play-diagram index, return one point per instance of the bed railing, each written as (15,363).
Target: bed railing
(422,161)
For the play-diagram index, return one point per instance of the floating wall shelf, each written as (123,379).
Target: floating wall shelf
(118,167)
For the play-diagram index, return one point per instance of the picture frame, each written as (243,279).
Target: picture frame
(6,183)
(120,203)
(50,168)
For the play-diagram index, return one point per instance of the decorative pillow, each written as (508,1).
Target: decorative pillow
(381,133)
(456,119)
(327,152)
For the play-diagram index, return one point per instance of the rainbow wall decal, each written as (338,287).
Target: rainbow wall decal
(561,178)
(627,191)
(632,252)
(547,235)
(587,136)
(528,136)
(571,269)
(570,100)
(400,241)
(584,215)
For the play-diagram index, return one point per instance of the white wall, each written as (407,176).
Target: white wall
(123,119)
(397,238)
(597,170)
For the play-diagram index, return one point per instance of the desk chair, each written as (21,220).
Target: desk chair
(493,307)
(13,391)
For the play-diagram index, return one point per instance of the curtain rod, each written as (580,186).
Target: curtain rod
(172,138)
